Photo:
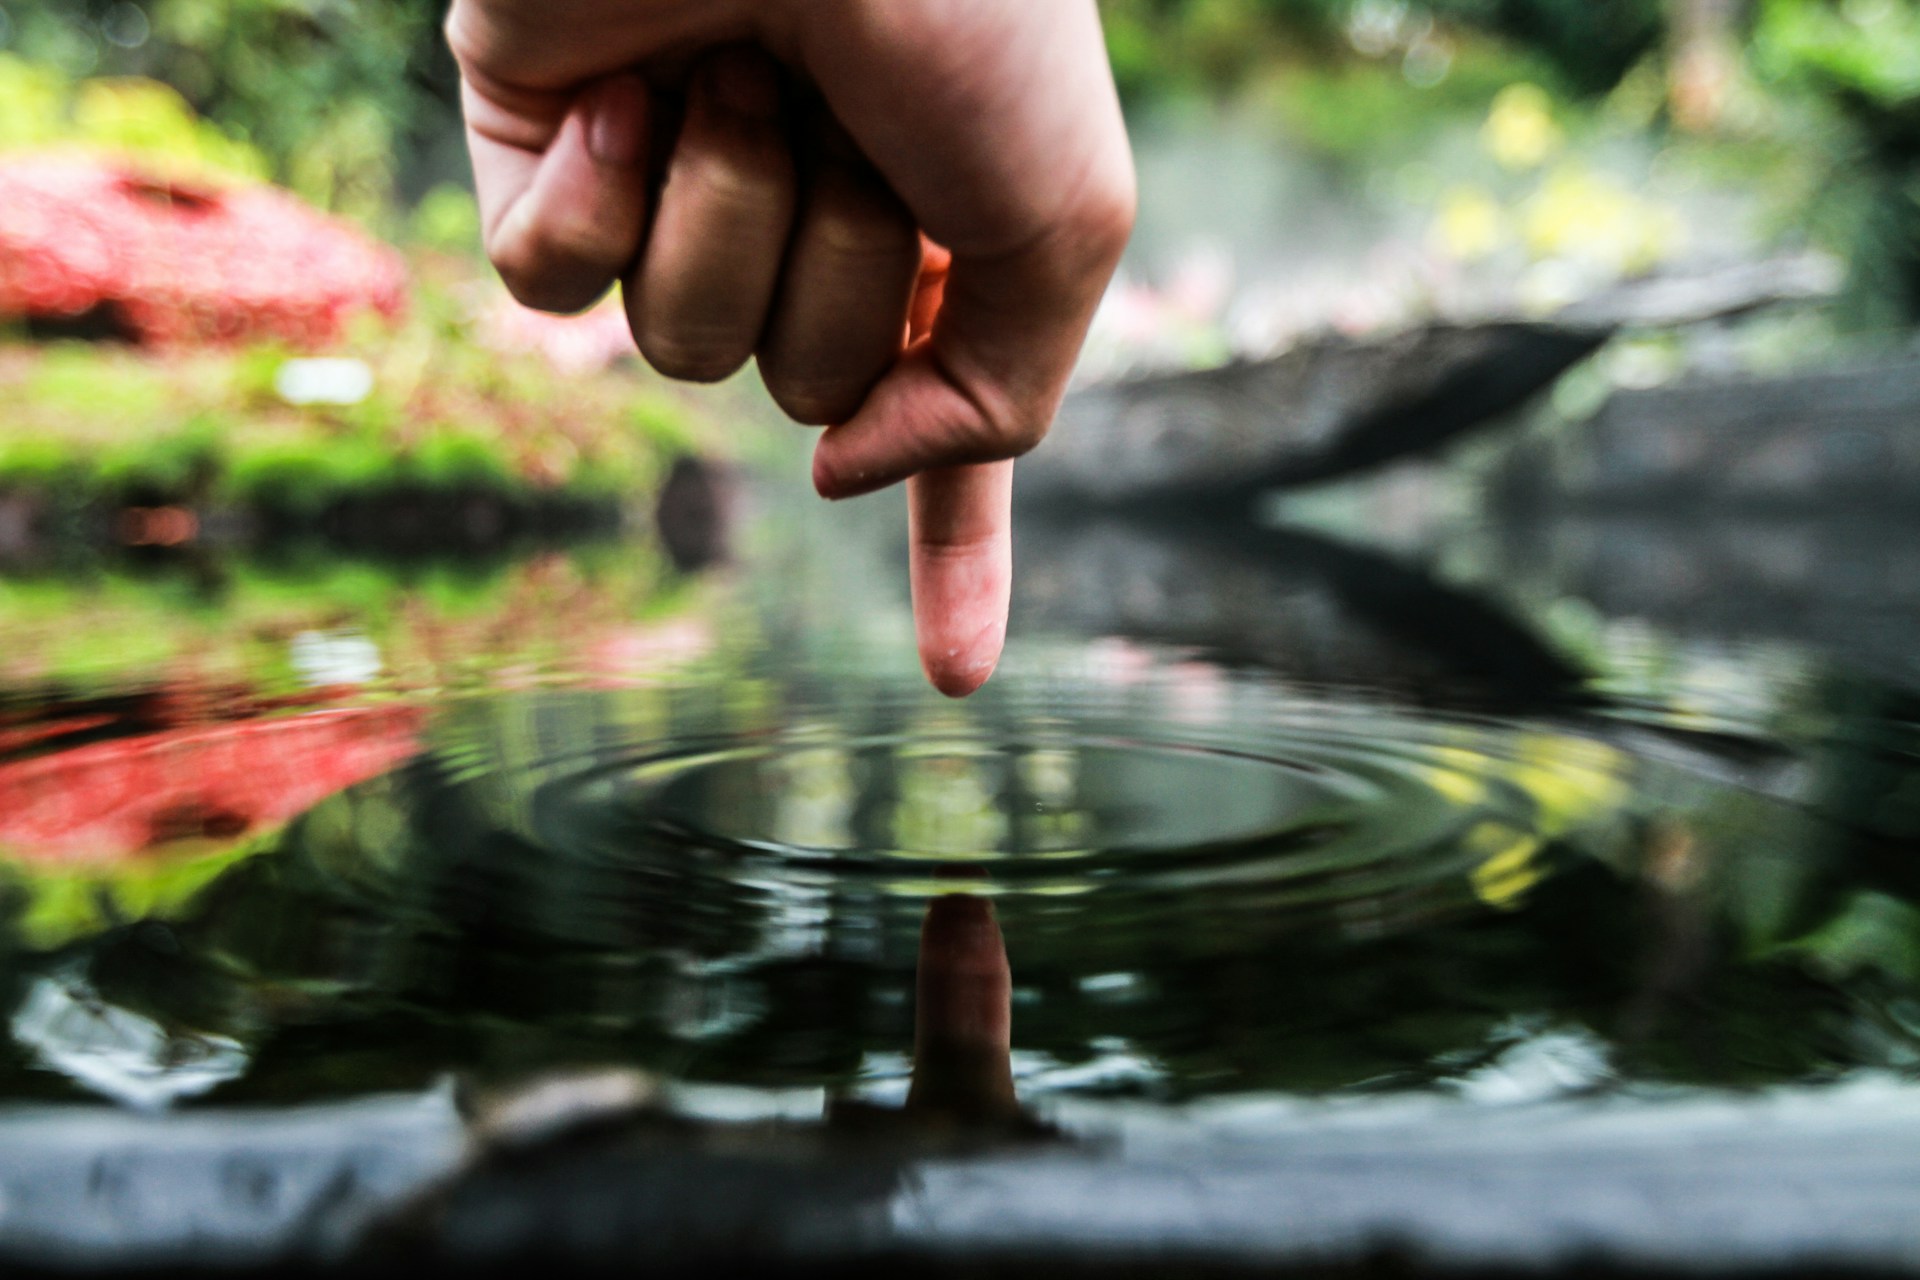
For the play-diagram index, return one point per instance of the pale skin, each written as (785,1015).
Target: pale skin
(793,181)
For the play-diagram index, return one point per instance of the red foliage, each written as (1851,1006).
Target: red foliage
(106,801)
(180,265)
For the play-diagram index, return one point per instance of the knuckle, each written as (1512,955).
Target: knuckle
(1104,215)
(812,403)
(457,30)
(849,219)
(580,245)
(1005,430)
(543,290)
(744,179)
(557,265)
(690,359)
(1023,436)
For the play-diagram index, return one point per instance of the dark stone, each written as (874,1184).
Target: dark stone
(1807,441)
(1323,409)
(1309,608)
(694,514)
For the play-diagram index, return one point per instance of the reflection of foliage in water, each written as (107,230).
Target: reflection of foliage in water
(240,656)
(433,623)
(458,914)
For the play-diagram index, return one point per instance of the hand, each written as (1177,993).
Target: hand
(781,216)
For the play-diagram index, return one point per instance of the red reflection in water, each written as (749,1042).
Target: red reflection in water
(111,800)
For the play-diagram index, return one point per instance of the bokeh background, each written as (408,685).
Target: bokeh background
(1461,664)
(1308,166)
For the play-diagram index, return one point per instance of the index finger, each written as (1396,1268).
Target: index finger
(960,526)
(960,533)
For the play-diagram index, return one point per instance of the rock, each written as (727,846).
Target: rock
(1307,608)
(1335,404)
(1320,410)
(1809,440)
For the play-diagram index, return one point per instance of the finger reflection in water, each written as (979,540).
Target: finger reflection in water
(963,1015)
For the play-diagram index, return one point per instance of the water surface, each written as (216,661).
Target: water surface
(1253,833)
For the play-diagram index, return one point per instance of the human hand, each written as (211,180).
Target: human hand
(782,214)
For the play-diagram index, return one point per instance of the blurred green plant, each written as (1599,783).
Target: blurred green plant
(1869,49)
(328,92)
(137,121)
(446,220)
(1158,46)
(1850,70)
(91,427)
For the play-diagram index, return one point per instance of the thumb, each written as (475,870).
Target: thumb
(985,384)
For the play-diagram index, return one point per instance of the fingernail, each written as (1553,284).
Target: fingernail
(744,81)
(616,121)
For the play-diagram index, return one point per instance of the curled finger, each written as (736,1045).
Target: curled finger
(699,298)
(844,297)
(563,218)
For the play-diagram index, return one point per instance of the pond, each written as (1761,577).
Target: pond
(1550,898)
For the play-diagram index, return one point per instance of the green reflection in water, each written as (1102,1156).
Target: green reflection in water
(1290,891)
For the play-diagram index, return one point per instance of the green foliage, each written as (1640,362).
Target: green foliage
(1591,43)
(301,476)
(141,121)
(1362,109)
(1867,49)
(328,93)
(33,103)
(446,220)
(1848,72)
(92,428)
(1159,46)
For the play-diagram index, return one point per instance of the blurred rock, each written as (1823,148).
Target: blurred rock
(1336,404)
(1817,440)
(1840,583)
(1312,609)
(1322,409)
(694,513)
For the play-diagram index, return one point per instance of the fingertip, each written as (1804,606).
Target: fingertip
(834,481)
(961,684)
(826,482)
(961,934)
(960,527)
(960,669)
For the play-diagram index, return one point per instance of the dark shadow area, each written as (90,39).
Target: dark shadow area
(1303,606)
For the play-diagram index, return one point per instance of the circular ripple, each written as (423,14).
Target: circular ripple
(1185,781)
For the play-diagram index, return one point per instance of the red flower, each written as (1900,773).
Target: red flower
(175,264)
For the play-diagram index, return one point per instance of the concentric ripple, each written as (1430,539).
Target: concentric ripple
(1191,779)
(1205,881)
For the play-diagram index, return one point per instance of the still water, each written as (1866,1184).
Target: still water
(1260,847)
